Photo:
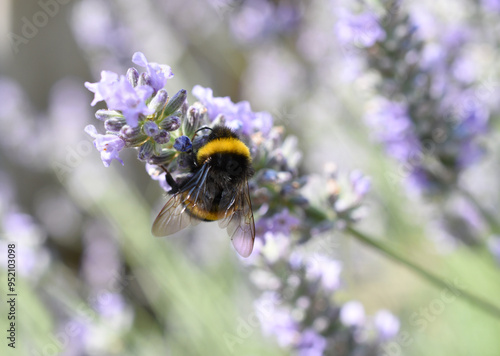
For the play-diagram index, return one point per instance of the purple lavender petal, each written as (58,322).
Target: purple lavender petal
(238,116)
(156,174)
(158,74)
(109,145)
(107,79)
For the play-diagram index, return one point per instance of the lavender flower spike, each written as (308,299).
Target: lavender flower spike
(109,145)
(122,96)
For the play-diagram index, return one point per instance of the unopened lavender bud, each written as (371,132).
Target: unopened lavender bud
(299,200)
(184,108)
(175,102)
(268,176)
(165,157)
(159,100)
(150,128)
(171,123)
(133,136)
(183,144)
(104,114)
(144,79)
(219,120)
(146,151)
(114,124)
(196,114)
(133,76)
(162,137)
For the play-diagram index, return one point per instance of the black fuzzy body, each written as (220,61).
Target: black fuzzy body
(220,177)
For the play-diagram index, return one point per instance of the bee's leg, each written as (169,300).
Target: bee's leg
(170,181)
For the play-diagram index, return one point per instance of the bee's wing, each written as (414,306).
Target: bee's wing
(175,215)
(239,222)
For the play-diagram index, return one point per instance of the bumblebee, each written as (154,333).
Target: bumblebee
(216,188)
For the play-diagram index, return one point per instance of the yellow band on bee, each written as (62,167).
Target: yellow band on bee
(222,145)
(204,214)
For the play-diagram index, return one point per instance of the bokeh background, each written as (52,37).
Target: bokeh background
(86,258)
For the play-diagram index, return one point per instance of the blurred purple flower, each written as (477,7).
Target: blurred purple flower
(21,226)
(393,127)
(418,180)
(109,304)
(324,269)
(361,184)
(32,258)
(470,153)
(361,29)
(238,116)
(472,118)
(278,322)
(491,5)
(158,73)
(386,324)
(464,70)
(311,344)
(453,38)
(275,247)
(109,145)
(282,223)
(253,21)
(259,19)
(352,314)
(494,246)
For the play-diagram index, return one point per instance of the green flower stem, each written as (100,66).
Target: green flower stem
(478,302)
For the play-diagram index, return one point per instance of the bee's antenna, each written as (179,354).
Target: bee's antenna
(201,128)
